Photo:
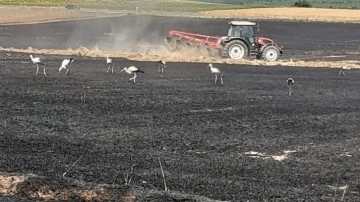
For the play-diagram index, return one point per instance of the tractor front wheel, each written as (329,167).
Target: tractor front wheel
(271,53)
(235,49)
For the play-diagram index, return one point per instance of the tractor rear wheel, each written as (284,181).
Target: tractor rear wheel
(271,53)
(235,49)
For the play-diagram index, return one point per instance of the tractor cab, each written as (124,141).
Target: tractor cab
(241,29)
(244,30)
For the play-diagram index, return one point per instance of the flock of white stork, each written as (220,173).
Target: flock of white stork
(66,64)
(132,70)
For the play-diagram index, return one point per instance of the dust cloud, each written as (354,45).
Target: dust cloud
(130,35)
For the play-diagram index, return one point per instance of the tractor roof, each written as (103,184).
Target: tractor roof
(243,23)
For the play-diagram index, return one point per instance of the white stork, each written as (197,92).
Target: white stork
(110,64)
(37,61)
(342,70)
(132,70)
(290,82)
(66,64)
(216,72)
(162,65)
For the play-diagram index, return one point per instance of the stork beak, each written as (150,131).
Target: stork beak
(122,70)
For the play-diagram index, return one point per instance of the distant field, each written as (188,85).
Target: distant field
(180,5)
(353,4)
(145,5)
(303,14)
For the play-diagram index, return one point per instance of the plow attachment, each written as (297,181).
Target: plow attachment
(178,40)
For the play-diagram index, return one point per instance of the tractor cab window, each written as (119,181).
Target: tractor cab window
(248,31)
(235,31)
(241,31)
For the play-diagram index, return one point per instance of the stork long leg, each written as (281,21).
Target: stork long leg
(221,79)
(67,69)
(215,78)
(342,72)
(161,69)
(37,69)
(289,90)
(110,67)
(61,69)
(134,77)
(45,70)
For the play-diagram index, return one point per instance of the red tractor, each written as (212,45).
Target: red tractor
(241,42)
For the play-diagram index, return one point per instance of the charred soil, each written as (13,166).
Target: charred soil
(245,140)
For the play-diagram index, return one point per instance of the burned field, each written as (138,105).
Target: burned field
(245,140)
(200,131)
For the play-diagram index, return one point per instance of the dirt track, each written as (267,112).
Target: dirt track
(206,136)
